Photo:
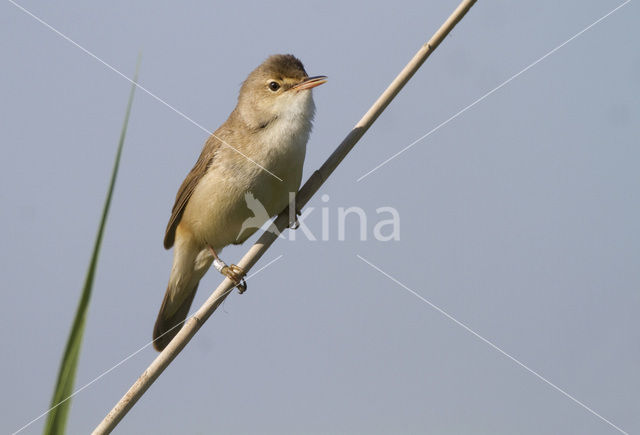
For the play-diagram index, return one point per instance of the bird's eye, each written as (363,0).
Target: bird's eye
(274,86)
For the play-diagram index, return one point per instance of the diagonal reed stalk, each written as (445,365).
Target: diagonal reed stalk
(61,401)
(193,324)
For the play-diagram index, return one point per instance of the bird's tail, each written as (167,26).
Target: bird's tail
(171,316)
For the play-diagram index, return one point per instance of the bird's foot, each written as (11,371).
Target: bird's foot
(233,272)
(236,274)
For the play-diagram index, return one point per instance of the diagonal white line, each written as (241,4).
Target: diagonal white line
(142,88)
(442,124)
(450,317)
(106,372)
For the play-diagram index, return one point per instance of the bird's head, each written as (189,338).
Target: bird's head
(279,89)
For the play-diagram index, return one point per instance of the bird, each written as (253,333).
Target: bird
(257,153)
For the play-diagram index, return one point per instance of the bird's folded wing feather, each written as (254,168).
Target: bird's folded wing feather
(188,186)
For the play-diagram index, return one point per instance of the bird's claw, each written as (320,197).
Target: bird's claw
(235,274)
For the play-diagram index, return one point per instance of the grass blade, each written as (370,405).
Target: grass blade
(61,401)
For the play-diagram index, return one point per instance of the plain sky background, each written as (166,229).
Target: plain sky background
(520,218)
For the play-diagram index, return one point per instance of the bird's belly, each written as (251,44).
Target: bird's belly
(228,206)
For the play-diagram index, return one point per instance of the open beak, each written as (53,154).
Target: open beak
(310,82)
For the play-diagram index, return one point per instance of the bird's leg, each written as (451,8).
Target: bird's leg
(233,272)
(293,220)
(293,211)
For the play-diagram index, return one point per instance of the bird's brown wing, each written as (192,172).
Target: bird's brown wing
(188,186)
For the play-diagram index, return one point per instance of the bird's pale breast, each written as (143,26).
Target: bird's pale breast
(218,207)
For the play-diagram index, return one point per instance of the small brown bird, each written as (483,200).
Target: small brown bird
(259,150)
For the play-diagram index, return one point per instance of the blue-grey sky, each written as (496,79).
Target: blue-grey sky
(519,218)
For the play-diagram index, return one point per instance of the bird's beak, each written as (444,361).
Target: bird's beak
(310,82)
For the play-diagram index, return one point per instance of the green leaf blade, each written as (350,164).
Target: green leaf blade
(61,401)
